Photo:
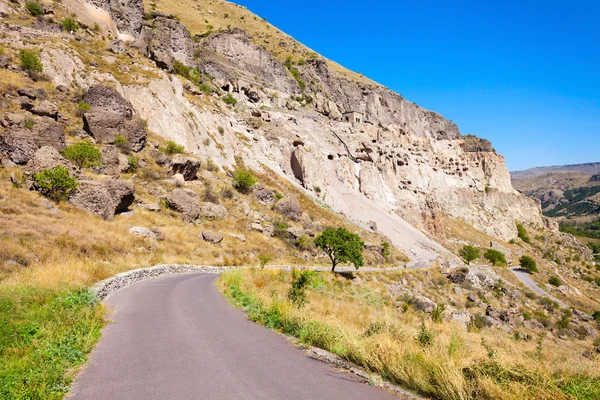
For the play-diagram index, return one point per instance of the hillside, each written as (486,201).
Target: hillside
(136,134)
(587,169)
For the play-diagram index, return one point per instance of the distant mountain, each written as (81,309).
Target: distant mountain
(588,169)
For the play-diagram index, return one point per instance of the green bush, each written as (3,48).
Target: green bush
(469,253)
(243,180)
(522,233)
(229,99)
(496,257)
(181,69)
(34,9)
(55,184)
(555,281)
(341,246)
(83,108)
(425,336)
(83,155)
(528,264)
(120,141)
(172,148)
(132,164)
(300,280)
(596,316)
(204,88)
(29,123)
(30,61)
(263,259)
(69,25)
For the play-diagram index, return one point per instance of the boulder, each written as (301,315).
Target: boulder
(46,109)
(116,46)
(375,248)
(263,195)
(155,207)
(4,61)
(142,232)
(11,119)
(241,238)
(29,92)
(211,237)
(111,161)
(290,207)
(424,304)
(105,99)
(135,133)
(103,125)
(213,211)
(47,158)
(182,202)
(257,227)
(373,226)
(462,317)
(169,41)
(20,144)
(186,166)
(104,199)
(298,165)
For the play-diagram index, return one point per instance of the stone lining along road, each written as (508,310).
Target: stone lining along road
(176,337)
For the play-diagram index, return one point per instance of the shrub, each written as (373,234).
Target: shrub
(181,69)
(281,230)
(30,61)
(303,242)
(278,196)
(300,280)
(132,164)
(34,9)
(221,130)
(83,155)
(230,100)
(227,193)
(425,336)
(204,88)
(596,316)
(387,249)
(120,141)
(555,281)
(263,259)
(172,148)
(244,180)
(496,257)
(528,264)
(438,312)
(29,123)
(70,25)
(341,246)
(56,184)
(522,233)
(469,253)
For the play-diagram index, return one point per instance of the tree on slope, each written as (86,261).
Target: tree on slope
(341,246)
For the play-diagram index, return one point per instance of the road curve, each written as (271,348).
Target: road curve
(526,280)
(176,337)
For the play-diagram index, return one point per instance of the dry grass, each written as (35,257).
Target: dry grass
(360,323)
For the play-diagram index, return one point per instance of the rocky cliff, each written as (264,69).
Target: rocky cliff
(400,166)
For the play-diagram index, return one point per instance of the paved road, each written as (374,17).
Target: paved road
(526,279)
(176,337)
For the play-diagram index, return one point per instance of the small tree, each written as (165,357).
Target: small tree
(30,62)
(555,281)
(56,183)
(528,264)
(469,253)
(70,25)
(34,9)
(496,257)
(83,155)
(300,280)
(263,259)
(243,180)
(341,246)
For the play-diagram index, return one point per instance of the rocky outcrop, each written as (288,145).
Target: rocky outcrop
(263,195)
(104,199)
(211,211)
(181,201)
(19,144)
(47,158)
(169,40)
(290,207)
(106,99)
(128,15)
(186,166)
(211,237)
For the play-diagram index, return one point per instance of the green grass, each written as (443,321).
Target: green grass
(44,334)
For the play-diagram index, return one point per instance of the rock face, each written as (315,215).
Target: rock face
(127,15)
(19,144)
(47,158)
(104,199)
(168,41)
(105,99)
(186,166)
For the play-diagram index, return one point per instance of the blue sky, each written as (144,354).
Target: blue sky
(523,74)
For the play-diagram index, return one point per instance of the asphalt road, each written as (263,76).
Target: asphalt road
(526,279)
(176,337)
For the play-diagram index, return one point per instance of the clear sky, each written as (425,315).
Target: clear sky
(523,74)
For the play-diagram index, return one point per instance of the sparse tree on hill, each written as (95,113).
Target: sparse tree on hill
(341,246)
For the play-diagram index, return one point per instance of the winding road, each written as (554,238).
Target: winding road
(176,337)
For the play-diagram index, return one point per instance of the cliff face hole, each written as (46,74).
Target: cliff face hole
(330,157)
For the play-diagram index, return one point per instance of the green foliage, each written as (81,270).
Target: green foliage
(83,108)
(244,180)
(528,264)
(34,9)
(303,242)
(69,25)
(263,259)
(425,336)
(56,184)
(44,335)
(181,69)
(469,253)
(204,88)
(172,148)
(278,196)
(296,74)
(221,130)
(230,100)
(596,316)
(522,233)
(387,249)
(120,141)
(438,313)
(30,61)
(564,322)
(132,164)
(83,155)
(586,229)
(555,281)
(300,280)
(281,230)
(29,123)
(496,257)
(341,246)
